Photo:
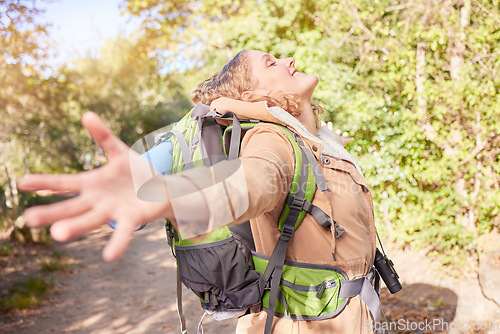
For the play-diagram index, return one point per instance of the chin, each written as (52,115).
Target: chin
(311,82)
(315,80)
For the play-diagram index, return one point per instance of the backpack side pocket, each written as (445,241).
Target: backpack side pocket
(220,275)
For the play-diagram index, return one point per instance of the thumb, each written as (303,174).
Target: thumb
(102,134)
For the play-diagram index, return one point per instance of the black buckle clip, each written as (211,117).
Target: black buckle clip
(170,234)
(297,203)
(267,287)
(287,232)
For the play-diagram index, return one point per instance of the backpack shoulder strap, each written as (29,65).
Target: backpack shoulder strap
(307,177)
(315,179)
(291,217)
(305,166)
(233,134)
(303,184)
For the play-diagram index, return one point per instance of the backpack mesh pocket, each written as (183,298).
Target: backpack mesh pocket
(220,274)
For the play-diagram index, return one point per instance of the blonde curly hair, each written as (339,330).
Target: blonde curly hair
(235,78)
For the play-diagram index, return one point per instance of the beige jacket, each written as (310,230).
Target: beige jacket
(267,160)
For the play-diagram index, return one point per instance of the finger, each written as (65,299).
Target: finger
(120,239)
(348,140)
(67,229)
(56,183)
(102,134)
(345,134)
(329,125)
(44,214)
(337,131)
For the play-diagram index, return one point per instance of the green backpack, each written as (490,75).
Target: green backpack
(224,270)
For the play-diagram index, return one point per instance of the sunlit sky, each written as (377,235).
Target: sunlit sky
(80,27)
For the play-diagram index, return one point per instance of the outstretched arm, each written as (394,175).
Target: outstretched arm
(104,194)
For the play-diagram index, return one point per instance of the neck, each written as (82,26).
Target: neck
(307,118)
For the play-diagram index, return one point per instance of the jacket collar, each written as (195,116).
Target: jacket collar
(326,138)
(260,111)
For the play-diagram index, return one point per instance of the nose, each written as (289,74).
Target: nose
(288,62)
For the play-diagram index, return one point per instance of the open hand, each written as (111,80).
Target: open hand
(343,138)
(104,194)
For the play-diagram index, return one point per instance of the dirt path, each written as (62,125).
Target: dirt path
(134,295)
(137,293)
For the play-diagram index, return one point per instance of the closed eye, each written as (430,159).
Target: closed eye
(269,64)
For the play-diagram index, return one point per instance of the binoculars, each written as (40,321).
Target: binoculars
(386,270)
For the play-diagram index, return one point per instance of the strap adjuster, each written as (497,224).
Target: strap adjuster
(339,230)
(287,232)
(296,203)
(170,234)
(267,287)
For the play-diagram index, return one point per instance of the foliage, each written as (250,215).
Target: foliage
(4,250)
(26,294)
(59,261)
(415,82)
(125,87)
(21,60)
(43,106)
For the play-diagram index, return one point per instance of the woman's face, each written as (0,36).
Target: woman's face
(269,74)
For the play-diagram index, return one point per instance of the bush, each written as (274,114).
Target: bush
(26,294)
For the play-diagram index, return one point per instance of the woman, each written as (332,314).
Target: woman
(254,85)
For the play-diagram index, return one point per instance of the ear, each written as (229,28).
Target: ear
(247,95)
(251,94)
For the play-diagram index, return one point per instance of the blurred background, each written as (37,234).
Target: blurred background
(415,82)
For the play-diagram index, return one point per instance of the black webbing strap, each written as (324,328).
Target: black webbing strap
(277,260)
(211,143)
(180,312)
(234,144)
(321,216)
(197,138)
(366,290)
(316,169)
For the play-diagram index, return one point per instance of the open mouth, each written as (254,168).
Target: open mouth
(295,73)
